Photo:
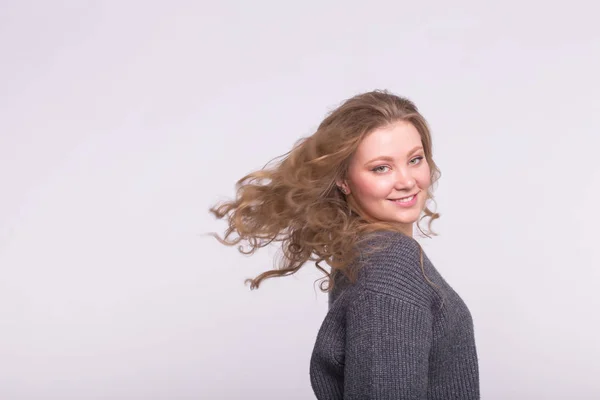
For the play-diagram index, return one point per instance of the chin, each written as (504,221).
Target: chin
(406,219)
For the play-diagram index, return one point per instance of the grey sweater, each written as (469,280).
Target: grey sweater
(393,335)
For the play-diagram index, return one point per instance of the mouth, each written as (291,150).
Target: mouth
(406,199)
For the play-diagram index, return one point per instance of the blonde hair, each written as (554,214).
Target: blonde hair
(297,203)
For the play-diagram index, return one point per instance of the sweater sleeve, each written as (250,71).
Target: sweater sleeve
(387,348)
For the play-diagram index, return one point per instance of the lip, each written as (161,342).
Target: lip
(400,198)
(406,205)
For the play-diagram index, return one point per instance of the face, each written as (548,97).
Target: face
(389,176)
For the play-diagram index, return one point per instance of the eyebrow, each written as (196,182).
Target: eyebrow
(388,158)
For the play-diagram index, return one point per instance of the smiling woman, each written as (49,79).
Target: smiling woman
(389,175)
(349,195)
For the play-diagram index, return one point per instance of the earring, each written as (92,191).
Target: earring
(343,189)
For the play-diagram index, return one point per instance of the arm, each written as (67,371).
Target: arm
(387,348)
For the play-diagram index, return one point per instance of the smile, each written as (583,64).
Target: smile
(406,201)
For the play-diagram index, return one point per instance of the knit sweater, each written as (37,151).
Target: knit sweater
(392,335)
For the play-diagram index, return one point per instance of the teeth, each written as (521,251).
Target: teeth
(406,200)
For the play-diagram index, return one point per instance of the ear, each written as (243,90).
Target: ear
(342,185)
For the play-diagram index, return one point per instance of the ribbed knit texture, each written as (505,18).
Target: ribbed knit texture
(394,336)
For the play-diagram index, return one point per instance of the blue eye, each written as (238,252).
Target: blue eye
(417,158)
(379,168)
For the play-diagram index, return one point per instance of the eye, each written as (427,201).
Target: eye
(417,158)
(380,169)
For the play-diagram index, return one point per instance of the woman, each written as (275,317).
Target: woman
(349,195)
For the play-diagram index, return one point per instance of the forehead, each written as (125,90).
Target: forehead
(394,140)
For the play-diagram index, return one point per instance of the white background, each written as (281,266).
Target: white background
(122,122)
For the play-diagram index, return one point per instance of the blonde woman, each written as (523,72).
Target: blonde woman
(349,196)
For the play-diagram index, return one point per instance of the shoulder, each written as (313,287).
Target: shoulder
(391,264)
(389,252)
(389,244)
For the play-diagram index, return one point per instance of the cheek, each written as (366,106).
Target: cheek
(424,179)
(372,186)
(424,183)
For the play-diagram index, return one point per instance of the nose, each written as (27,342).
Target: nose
(404,180)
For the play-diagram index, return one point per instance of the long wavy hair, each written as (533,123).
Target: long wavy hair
(296,202)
